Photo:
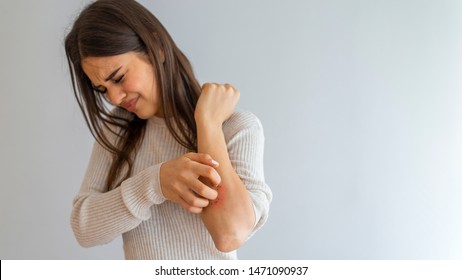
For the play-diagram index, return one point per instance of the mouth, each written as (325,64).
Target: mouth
(130,105)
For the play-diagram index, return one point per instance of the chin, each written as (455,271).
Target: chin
(141,116)
(144,115)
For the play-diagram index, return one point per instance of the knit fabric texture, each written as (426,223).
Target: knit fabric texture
(151,226)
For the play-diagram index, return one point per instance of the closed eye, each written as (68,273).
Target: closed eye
(99,90)
(119,79)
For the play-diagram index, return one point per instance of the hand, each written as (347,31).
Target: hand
(181,181)
(216,103)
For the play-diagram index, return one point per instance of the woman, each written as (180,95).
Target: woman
(174,169)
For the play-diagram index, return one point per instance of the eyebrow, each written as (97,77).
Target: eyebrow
(110,76)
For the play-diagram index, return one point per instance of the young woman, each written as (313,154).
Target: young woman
(175,169)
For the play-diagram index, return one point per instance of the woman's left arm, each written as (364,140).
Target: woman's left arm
(230,218)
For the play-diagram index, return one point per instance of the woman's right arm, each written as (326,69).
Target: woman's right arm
(98,215)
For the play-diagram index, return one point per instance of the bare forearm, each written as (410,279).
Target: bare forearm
(230,218)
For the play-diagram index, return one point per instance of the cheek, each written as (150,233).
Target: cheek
(149,81)
(130,85)
(142,83)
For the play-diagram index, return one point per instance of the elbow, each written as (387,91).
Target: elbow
(230,242)
(84,244)
(232,238)
(86,240)
(80,226)
(82,237)
(83,234)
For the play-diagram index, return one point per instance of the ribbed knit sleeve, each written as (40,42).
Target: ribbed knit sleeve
(98,215)
(245,142)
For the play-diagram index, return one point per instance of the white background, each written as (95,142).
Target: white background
(360,100)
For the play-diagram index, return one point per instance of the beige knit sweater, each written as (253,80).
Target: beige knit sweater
(153,227)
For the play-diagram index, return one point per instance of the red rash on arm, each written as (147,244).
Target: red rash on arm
(219,200)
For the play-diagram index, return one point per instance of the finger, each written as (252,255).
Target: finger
(207,86)
(187,207)
(204,166)
(211,175)
(203,158)
(194,206)
(204,189)
(193,200)
(207,182)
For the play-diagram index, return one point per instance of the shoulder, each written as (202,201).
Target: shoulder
(241,120)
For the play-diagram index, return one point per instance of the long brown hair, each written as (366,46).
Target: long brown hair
(112,27)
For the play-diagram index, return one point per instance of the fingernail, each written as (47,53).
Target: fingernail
(214,162)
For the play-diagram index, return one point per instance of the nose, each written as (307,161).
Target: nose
(115,95)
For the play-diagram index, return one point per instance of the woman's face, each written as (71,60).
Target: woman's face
(127,80)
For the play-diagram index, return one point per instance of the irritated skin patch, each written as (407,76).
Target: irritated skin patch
(217,202)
